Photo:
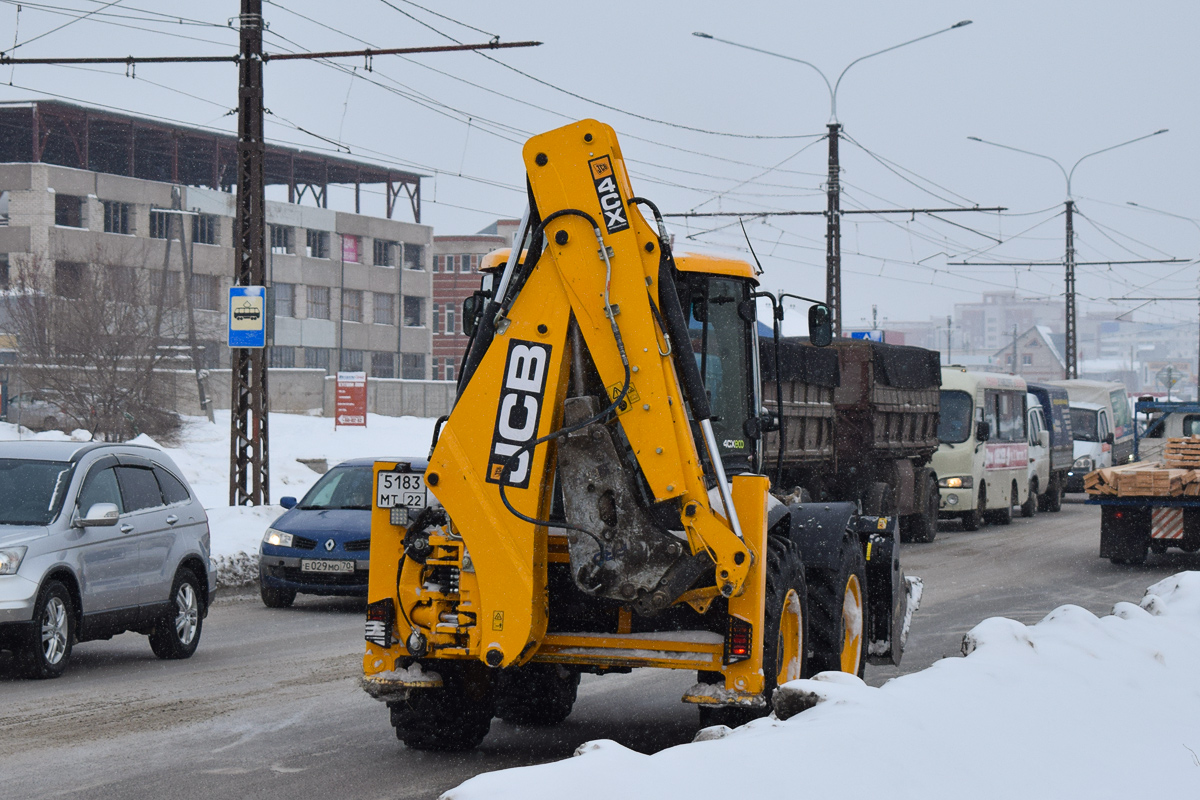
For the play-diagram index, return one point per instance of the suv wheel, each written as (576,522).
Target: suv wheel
(177,632)
(47,651)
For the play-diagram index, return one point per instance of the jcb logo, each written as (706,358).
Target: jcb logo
(520,407)
(611,204)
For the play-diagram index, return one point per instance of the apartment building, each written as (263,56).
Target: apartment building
(81,189)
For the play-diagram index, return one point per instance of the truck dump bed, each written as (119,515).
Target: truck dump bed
(886,404)
(809,378)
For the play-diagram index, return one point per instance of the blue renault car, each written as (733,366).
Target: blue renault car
(322,544)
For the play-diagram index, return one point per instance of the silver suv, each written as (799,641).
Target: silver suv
(96,540)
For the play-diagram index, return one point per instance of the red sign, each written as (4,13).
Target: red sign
(350,399)
(1006,456)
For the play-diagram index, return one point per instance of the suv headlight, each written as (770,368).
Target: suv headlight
(1083,464)
(965,482)
(278,538)
(10,559)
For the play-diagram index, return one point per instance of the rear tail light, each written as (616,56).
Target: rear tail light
(381,621)
(738,640)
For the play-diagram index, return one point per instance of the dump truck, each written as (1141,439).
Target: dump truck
(1152,504)
(858,423)
(596,500)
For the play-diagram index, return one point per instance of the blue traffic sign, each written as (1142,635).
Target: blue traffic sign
(873,336)
(247,316)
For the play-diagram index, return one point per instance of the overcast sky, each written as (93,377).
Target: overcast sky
(1063,79)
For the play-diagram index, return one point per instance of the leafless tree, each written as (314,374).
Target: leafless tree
(91,337)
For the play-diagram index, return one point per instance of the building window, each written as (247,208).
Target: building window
(414,311)
(281,240)
(116,217)
(437,261)
(414,256)
(351,245)
(316,358)
(412,366)
(318,302)
(385,253)
(1027,360)
(464,262)
(449,369)
(4,279)
(433,375)
(352,308)
(383,365)
(68,211)
(385,309)
(68,278)
(204,228)
(281,357)
(352,361)
(316,244)
(204,292)
(449,321)
(285,299)
(435,319)
(449,263)
(160,224)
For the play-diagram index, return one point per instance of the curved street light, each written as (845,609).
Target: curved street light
(1071,368)
(833,212)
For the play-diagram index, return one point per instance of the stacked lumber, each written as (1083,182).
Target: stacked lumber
(1144,479)
(1182,452)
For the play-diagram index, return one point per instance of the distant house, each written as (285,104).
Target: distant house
(1037,358)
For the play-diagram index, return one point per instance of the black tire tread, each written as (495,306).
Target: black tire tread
(826,589)
(536,694)
(454,718)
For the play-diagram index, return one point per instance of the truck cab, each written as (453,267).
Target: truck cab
(1092,429)
(1166,421)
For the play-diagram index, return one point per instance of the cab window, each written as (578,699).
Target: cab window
(1005,414)
(1191,424)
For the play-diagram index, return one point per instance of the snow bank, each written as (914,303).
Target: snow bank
(1074,706)
(203,458)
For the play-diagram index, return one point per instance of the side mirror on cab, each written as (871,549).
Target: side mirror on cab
(983,430)
(1109,438)
(1044,438)
(100,515)
(820,325)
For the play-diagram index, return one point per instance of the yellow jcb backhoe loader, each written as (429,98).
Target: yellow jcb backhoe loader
(592,504)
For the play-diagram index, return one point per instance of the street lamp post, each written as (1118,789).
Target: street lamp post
(1197,224)
(833,208)
(1072,355)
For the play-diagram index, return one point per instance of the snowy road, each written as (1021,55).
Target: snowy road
(269,706)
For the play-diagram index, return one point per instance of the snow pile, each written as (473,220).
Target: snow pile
(1074,706)
(203,458)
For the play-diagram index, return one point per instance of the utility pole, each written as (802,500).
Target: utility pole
(1015,370)
(1072,354)
(949,357)
(833,233)
(249,452)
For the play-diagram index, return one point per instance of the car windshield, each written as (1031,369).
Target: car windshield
(341,487)
(954,419)
(32,492)
(1083,423)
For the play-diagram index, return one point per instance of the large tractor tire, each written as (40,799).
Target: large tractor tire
(784,635)
(536,694)
(837,617)
(455,717)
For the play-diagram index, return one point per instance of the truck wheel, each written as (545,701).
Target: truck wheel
(536,694)
(923,527)
(975,519)
(784,632)
(837,615)
(1055,497)
(455,717)
(1030,506)
(878,500)
(47,649)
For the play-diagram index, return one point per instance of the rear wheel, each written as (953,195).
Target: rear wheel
(785,629)
(177,633)
(47,650)
(1055,496)
(536,694)
(837,615)
(1030,506)
(923,527)
(455,717)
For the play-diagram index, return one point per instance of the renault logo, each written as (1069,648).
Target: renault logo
(329,545)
